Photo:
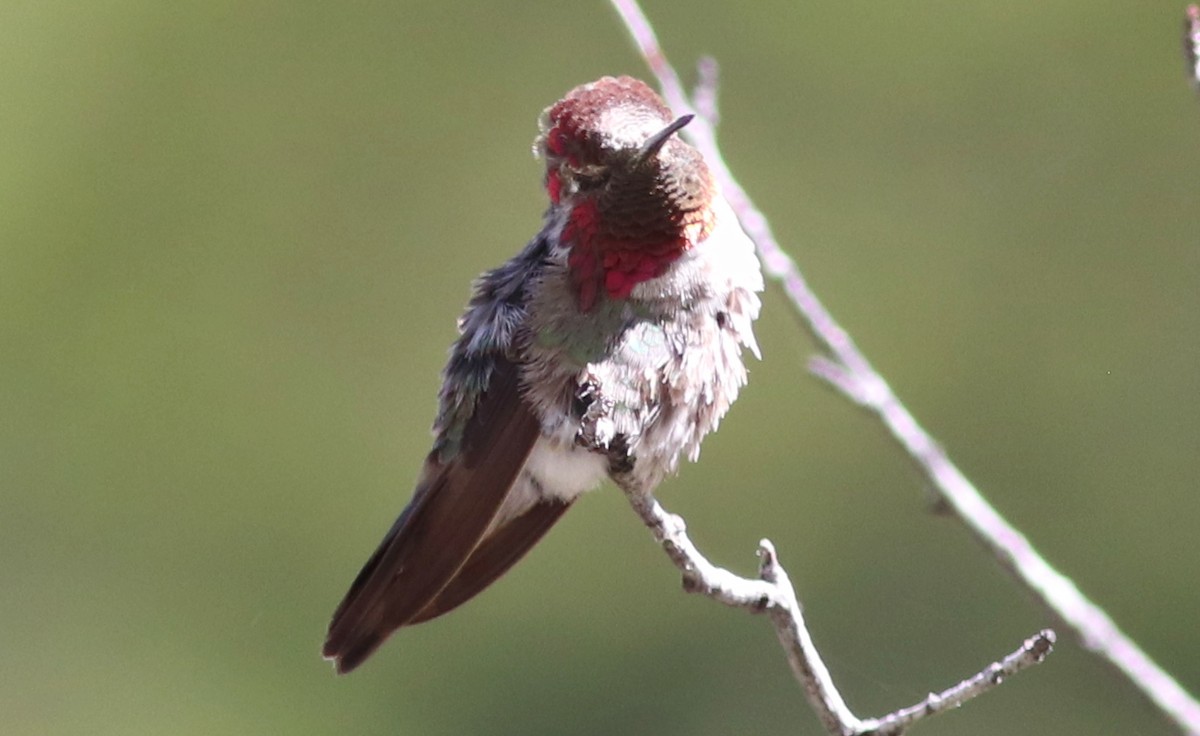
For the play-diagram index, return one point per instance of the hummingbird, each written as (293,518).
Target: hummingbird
(607,348)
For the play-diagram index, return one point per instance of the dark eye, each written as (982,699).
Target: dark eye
(591,177)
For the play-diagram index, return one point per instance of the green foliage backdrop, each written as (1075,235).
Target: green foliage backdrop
(234,238)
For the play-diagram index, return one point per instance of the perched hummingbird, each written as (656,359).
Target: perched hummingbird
(608,347)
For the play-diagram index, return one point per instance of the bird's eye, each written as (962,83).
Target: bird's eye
(591,177)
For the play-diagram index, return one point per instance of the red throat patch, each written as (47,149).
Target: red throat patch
(603,264)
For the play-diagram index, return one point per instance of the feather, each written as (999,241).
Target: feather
(502,549)
(451,511)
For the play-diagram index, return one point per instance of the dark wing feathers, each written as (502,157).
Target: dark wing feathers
(451,510)
(494,555)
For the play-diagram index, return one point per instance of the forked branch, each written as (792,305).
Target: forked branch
(772,594)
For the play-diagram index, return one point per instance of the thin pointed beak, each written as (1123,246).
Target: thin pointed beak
(656,141)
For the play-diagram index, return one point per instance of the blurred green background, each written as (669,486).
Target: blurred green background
(234,238)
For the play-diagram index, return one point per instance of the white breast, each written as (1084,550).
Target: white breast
(565,471)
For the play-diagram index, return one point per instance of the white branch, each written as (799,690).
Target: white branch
(848,370)
(1191,43)
(1033,651)
(774,595)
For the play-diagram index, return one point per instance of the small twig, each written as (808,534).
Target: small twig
(774,595)
(1191,43)
(1032,652)
(835,374)
(705,94)
(848,370)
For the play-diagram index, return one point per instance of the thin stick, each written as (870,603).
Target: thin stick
(1191,43)
(848,370)
(774,595)
(1033,651)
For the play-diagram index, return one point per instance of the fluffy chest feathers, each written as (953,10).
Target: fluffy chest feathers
(659,368)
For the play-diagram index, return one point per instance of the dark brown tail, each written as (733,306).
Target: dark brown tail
(349,646)
(494,556)
(435,540)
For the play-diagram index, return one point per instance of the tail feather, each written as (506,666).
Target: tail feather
(356,652)
(451,511)
(493,557)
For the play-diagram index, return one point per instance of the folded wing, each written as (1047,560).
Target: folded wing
(436,557)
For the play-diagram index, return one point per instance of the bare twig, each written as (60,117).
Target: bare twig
(1033,651)
(1191,43)
(848,370)
(774,595)
(705,94)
